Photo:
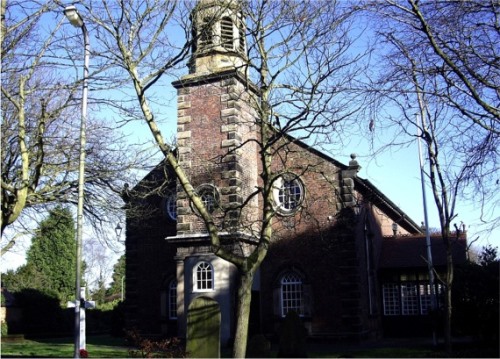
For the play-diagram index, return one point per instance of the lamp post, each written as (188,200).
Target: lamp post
(430,265)
(76,20)
(118,231)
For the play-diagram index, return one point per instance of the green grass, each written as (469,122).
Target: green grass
(97,347)
(110,347)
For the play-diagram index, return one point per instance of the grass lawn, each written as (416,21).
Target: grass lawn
(110,347)
(97,347)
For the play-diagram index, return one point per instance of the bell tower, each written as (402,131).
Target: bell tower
(216,122)
(217,132)
(218,30)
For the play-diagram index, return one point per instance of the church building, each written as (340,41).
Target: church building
(333,232)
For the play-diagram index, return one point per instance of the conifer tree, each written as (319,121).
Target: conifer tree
(52,254)
(118,275)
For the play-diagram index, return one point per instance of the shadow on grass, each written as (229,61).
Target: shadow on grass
(97,347)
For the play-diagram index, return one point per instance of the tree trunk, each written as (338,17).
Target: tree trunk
(448,306)
(243,314)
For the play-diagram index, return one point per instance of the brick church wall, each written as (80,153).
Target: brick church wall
(149,258)
(215,127)
(320,242)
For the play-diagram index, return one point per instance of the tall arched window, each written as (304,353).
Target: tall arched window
(203,277)
(172,300)
(292,297)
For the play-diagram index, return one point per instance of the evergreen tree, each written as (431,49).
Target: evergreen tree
(52,254)
(118,275)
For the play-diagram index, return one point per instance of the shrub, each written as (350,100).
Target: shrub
(148,348)
(42,313)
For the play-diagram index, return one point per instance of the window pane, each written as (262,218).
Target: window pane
(209,201)
(425,298)
(409,299)
(204,277)
(171,207)
(291,294)
(289,194)
(172,300)
(390,293)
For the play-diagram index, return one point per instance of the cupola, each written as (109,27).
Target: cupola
(219,36)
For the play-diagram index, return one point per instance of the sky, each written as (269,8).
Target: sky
(396,174)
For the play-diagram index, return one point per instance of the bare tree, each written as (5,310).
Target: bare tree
(40,118)
(297,62)
(439,64)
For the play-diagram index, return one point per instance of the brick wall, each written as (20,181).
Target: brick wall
(214,128)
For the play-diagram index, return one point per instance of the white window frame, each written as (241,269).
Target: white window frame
(203,278)
(391,299)
(208,200)
(210,197)
(291,293)
(409,298)
(425,297)
(288,193)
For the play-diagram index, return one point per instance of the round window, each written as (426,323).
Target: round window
(288,193)
(171,207)
(209,196)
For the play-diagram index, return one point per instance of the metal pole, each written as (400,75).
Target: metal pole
(81,184)
(83,339)
(426,219)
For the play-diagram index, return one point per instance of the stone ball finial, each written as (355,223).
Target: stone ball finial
(353,162)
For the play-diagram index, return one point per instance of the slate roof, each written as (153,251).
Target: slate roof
(411,251)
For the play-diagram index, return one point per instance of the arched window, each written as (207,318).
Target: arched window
(291,294)
(226,29)
(172,300)
(203,277)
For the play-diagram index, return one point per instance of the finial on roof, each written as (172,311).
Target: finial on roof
(353,163)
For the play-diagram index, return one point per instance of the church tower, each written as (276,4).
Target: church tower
(216,129)
(218,30)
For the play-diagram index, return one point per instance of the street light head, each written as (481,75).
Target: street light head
(73,16)
(118,231)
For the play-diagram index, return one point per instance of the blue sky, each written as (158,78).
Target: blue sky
(395,173)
